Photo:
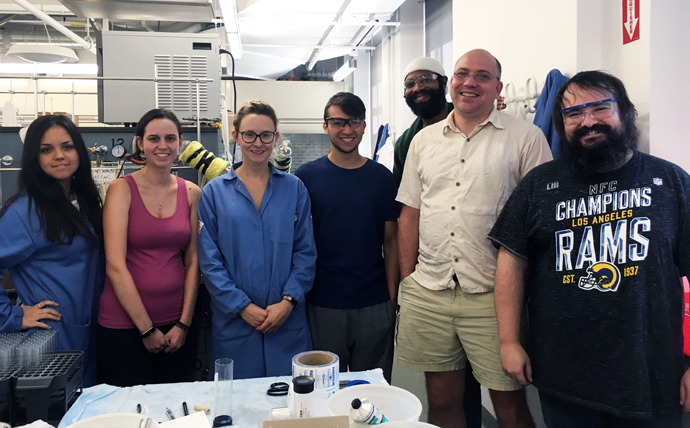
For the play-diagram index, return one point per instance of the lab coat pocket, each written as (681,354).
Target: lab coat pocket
(74,337)
(282,232)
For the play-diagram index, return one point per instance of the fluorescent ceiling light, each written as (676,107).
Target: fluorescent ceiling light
(232,26)
(42,53)
(50,69)
(345,70)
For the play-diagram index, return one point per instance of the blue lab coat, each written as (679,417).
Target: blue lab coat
(542,118)
(249,256)
(71,275)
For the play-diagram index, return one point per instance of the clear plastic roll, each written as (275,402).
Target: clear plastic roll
(323,366)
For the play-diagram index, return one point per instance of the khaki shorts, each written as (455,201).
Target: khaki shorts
(440,330)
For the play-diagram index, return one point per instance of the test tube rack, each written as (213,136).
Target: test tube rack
(6,375)
(46,391)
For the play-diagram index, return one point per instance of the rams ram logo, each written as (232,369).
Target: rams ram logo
(602,276)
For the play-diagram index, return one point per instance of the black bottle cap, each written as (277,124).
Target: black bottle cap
(222,421)
(356,403)
(303,384)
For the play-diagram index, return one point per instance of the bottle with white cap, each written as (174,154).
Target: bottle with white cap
(365,412)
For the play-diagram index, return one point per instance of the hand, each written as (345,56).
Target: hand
(515,363)
(176,338)
(685,392)
(500,103)
(41,311)
(277,314)
(253,315)
(156,342)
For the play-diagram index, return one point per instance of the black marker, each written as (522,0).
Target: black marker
(184,408)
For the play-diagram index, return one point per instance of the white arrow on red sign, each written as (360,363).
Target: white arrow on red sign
(631,22)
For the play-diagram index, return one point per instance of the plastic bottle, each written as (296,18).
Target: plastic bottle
(365,412)
(283,157)
(302,404)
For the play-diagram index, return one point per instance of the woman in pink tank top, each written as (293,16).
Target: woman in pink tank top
(149,219)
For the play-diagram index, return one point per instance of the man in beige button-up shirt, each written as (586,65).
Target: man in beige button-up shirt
(458,175)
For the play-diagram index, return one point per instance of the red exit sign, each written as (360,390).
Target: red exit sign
(631,21)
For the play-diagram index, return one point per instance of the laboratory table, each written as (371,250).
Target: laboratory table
(251,404)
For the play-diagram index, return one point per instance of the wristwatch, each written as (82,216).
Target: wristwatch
(292,301)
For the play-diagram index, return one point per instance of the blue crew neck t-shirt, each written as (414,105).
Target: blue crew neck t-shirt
(350,208)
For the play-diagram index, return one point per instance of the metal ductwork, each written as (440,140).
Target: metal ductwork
(53,23)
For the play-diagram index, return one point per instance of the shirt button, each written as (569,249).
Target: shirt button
(457,184)
(456,260)
(452,207)
(452,233)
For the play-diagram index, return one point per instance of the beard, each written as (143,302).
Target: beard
(432,107)
(605,156)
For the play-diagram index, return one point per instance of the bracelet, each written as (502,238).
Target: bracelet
(148,332)
(182,326)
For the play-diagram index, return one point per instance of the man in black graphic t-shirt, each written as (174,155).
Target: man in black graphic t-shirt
(596,242)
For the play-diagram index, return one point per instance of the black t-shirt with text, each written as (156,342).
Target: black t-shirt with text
(605,299)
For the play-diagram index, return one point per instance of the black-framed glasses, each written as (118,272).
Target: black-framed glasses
(480,77)
(266,137)
(423,80)
(598,110)
(340,122)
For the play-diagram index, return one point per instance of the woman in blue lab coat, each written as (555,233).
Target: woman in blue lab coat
(257,254)
(50,240)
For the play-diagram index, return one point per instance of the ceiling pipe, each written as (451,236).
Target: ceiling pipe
(350,47)
(7,19)
(326,36)
(53,23)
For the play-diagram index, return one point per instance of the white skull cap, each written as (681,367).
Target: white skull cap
(424,63)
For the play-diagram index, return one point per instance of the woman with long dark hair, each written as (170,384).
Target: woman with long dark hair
(150,218)
(50,239)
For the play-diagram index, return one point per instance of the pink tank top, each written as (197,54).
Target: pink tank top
(154,260)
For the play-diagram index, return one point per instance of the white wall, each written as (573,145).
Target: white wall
(529,37)
(670,91)
(299,105)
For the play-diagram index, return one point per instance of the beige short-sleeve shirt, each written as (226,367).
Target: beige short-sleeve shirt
(460,183)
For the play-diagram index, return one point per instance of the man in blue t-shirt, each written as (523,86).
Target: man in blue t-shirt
(351,308)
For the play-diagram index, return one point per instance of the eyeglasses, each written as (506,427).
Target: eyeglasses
(598,110)
(480,77)
(422,80)
(266,137)
(339,122)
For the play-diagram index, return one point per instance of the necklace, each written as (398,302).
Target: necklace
(160,206)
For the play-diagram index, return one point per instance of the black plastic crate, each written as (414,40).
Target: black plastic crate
(6,393)
(47,393)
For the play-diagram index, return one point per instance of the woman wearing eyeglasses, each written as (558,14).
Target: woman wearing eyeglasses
(257,254)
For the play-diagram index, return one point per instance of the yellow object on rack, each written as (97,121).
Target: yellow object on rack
(204,161)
